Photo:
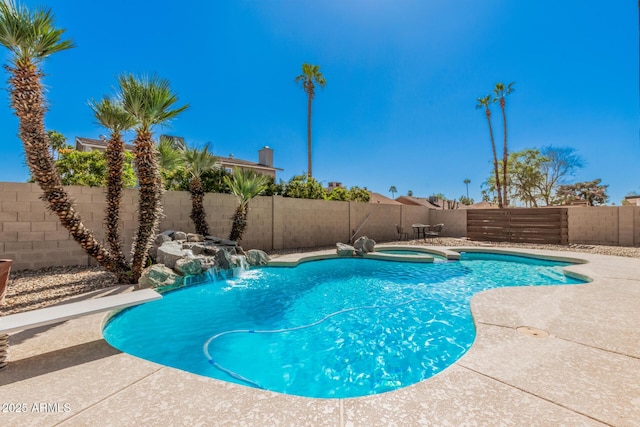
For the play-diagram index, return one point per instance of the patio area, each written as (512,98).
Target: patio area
(585,372)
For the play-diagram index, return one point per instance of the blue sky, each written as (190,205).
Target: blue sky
(402,82)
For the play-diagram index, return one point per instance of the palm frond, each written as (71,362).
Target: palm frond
(112,115)
(169,157)
(30,35)
(149,99)
(246,184)
(199,161)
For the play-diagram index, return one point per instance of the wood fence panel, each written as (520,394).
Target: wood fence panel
(522,225)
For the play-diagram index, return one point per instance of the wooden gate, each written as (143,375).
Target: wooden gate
(519,225)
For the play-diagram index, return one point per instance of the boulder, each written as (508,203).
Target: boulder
(188,266)
(227,242)
(193,237)
(159,276)
(179,235)
(223,260)
(195,248)
(364,245)
(169,253)
(157,242)
(257,257)
(344,250)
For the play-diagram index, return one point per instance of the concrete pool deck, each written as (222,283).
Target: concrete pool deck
(586,372)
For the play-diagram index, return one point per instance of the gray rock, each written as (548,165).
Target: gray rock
(344,250)
(168,233)
(226,242)
(157,242)
(207,262)
(169,253)
(257,257)
(364,245)
(193,237)
(188,266)
(159,276)
(223,260)
(195,248)
(179,235)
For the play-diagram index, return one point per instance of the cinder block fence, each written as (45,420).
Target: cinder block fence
(34,238)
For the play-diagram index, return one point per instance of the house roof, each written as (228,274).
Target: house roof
(232,161)
(482,205)
(415,201)
(98,143)
(379,198)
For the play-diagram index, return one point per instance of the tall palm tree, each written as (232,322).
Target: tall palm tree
(393,190)
(31,37)
(245,185)
(467,181)
(484,103)
(150,101)
(501,92)
(110,114)
(197,163)
(310,76)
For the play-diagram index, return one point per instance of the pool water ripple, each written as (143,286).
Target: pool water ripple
(388,324)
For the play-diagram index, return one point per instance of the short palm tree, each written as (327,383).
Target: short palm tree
(484,103)
(31,37)
(310,76)
(501,92)
(245,185)
(150,101)
(110,114)
(393,190)
(169,156)
(197,162)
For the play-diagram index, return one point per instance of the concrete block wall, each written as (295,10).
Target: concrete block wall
(413,215)
(594,225)
(313,223)
(381,223)
(454,220)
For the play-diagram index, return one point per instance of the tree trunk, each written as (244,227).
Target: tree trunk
(239,223)
(149,206)
(28,103)
(495,159)
(198,215)
(115,162)
(310,170)
(505,156)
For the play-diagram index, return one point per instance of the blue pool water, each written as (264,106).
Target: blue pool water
(375,325)
(411,252)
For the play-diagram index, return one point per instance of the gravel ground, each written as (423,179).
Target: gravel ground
(31,289)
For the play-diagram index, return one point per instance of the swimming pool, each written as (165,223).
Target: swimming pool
(331,328)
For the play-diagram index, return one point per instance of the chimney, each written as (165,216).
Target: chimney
(265,156)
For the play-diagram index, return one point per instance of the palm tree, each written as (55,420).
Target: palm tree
(31,37)
(197,163)
(110,114)
(169,155)
(57,142)
(310,74)
(393,190)
(150,101)
(484,103)
(245,185)
(501,92)
(467,181)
